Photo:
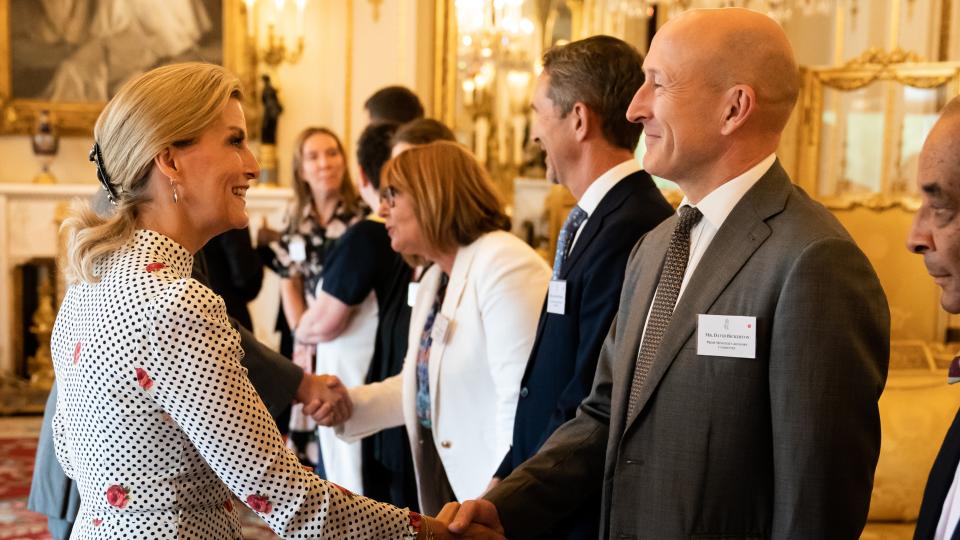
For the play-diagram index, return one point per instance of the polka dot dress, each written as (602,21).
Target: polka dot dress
(158,424)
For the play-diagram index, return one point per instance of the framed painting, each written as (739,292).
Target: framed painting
(70,56)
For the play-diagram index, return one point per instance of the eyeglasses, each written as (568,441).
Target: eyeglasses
(389,196)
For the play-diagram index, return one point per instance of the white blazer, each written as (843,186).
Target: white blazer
(493,300)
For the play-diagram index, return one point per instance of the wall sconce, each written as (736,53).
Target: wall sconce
(275,50)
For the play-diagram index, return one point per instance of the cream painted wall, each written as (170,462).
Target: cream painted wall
(332,80)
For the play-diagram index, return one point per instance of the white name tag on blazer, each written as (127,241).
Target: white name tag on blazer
(441,329)
(557,297)
(727,335)
(412,289)
(297,249)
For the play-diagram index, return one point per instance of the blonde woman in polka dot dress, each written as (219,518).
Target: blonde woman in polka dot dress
(156,420)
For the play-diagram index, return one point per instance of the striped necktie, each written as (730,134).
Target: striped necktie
(575,218)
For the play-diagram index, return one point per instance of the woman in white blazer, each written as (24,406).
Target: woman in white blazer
(472,326)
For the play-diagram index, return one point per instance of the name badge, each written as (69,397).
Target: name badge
(412,289)
(557,297)
(727,335)
(441,328)
(297,249)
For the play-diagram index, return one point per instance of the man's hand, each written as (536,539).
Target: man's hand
(325,398)
(478,512)
(437,528)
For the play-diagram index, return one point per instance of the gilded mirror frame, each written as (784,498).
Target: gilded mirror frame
(873,66)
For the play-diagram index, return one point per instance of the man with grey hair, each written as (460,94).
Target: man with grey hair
(580,101)
(736,393)
(936,236)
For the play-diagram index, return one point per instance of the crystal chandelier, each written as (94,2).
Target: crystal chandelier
(495,61)
(779,10)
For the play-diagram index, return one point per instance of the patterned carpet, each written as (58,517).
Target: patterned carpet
(18,523)
(16,469)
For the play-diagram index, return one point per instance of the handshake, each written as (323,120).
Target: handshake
(473,519)
(325,399)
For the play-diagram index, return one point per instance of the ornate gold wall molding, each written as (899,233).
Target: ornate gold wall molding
(875,64)
(877,202)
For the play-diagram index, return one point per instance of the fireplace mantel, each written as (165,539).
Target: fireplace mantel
(28,230)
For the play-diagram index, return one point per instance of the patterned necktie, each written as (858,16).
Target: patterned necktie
(668,288)
(575,218)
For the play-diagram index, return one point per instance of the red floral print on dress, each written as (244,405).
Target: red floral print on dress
(259,504)
(118,496)
(97,522)
(416,521)
(343,490)
(228,505)
(144,380)
(153,267)
(76,354)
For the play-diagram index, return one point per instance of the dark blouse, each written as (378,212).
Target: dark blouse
(361,262)
(317,241)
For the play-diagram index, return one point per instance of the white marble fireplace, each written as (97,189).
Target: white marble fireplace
(28,230)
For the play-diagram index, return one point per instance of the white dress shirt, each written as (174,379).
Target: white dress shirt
(715,207)
(598,190)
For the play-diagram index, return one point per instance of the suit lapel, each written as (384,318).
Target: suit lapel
(451,301)
(741,234)
(641,284)
(613,200)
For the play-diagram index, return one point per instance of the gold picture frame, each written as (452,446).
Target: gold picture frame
(18,114)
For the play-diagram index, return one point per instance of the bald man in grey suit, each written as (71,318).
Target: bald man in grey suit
(736,393)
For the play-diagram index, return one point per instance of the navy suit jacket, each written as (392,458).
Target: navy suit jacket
(563,360)
(938,484)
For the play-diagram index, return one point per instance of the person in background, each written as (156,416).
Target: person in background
(580,101)
(234,272)
(472,325)
(420,131)
(395,104)
(326,203)
(736,393)
(156,420)
(361,266)
(936,236)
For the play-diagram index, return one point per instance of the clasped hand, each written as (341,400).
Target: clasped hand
(473,519)
(325,399)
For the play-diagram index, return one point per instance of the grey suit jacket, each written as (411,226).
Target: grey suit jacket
(274,377)
(783,445)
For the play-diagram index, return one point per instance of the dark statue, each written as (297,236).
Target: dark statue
(271,112)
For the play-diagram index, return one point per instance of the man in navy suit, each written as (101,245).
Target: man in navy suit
(936,236)
(580,100)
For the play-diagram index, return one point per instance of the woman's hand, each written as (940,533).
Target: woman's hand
(327,400)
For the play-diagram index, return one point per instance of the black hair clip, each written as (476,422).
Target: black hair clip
(97,158)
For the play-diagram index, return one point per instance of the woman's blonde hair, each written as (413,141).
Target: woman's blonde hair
(349,196)
(168,106)
(454,200)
